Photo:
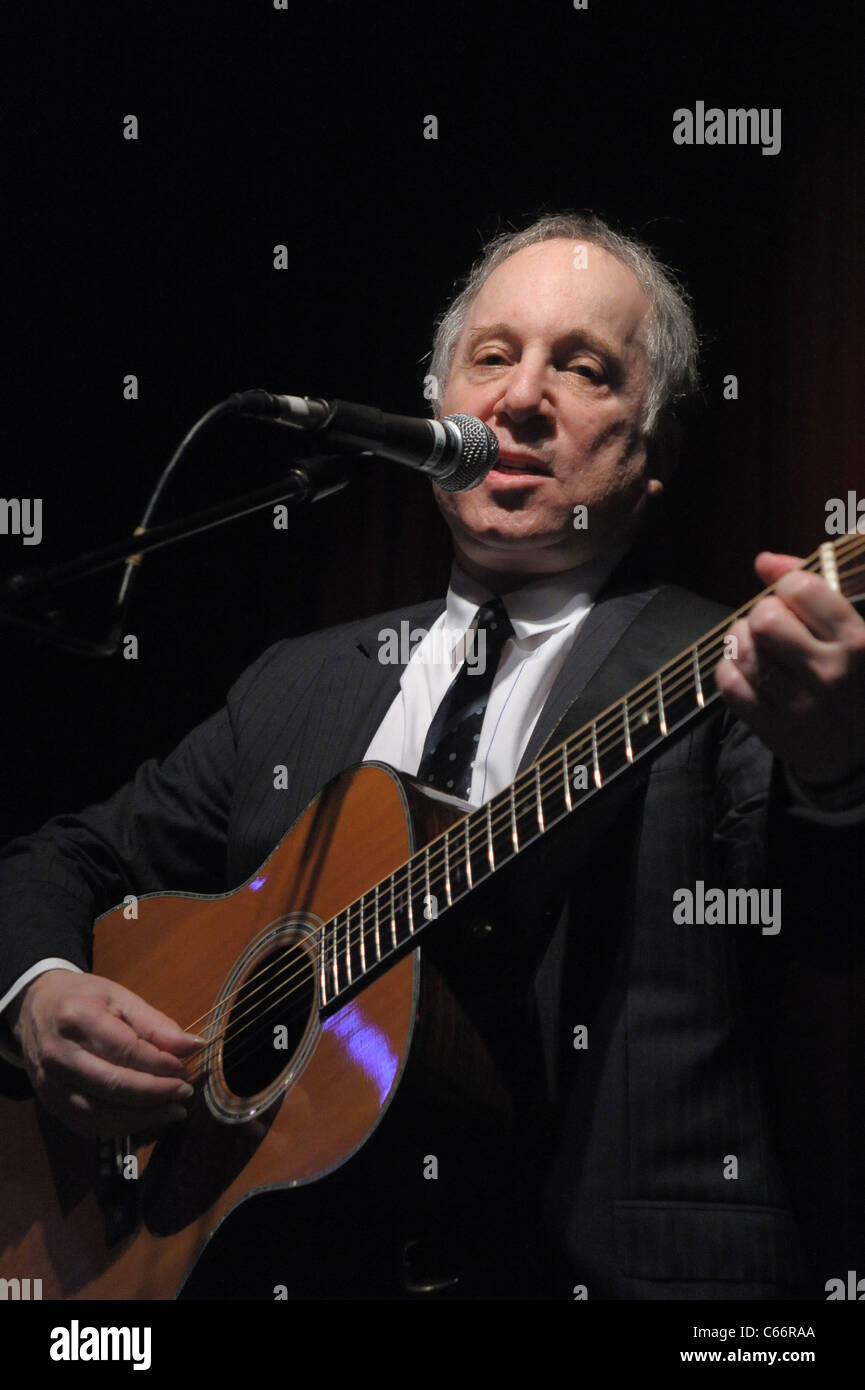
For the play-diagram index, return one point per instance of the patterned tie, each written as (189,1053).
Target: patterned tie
(451,743)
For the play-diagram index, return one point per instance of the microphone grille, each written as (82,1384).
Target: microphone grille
(480,449)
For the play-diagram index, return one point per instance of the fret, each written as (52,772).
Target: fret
(598,778)
(515,839)
(334,956)
(538,798)
(377,930)
(362,940)
(662,717)
(491,854)
(408,896)
(347,948)
(697,682)
(626,726)
(458,865)
(569,805)
(428,912)
(322,968)
(468,854)
(640,728)
(393,935)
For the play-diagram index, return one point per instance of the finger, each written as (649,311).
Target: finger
(770,565)
(745,702)
(782,640)
(116,1086)
(735,688)
(90,1118)
(826,613)
(90,1024)
(739,649)
(152,1025)
(760,682)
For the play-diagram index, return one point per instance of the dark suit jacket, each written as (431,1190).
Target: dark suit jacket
(681,1161)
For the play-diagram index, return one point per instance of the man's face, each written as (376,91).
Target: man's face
(552,358)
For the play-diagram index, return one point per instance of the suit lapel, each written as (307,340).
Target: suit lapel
(369,683)
(596,645)
(626,638)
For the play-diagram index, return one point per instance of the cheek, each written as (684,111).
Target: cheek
(454,400)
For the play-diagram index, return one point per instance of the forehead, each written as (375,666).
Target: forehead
(560,287)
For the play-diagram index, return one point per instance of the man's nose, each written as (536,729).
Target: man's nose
(524,394)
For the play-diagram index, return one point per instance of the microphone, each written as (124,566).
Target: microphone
(457,452)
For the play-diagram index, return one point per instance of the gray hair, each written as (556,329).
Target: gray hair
(671,339)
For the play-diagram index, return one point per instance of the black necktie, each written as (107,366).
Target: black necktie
(452,740)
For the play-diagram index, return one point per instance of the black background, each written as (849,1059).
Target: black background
(305,127)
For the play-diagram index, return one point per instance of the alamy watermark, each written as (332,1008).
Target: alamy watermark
(702,906)
(77,1343)
(21,516)
(735,126)
(845,516)
(432,648)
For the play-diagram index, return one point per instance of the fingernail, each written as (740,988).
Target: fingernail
(185,1092)
(176,1113)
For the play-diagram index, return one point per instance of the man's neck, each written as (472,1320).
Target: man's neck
(506,581)
(473,581)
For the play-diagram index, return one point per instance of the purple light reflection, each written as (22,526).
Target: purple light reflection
(367,1046)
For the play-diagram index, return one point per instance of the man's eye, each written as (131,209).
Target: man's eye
(489,358)
(587,370)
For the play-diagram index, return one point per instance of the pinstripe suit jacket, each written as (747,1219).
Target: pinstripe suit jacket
(677,1146)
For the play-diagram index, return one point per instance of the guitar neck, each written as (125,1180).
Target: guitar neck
(386,922)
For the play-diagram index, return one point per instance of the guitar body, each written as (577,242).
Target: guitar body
(128,1220)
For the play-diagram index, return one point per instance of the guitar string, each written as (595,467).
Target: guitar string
(354,935)
(401,901)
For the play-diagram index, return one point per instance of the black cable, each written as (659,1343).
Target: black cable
(121,602)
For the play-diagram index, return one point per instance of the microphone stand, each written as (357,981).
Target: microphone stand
(308,480)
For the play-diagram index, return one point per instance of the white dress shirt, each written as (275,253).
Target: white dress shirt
(545,615)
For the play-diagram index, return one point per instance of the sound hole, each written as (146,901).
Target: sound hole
(267,1020)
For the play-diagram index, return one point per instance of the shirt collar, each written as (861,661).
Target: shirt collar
(545,604)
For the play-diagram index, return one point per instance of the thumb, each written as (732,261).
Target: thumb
(770,567)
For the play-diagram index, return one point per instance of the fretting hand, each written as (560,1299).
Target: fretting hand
(797,676)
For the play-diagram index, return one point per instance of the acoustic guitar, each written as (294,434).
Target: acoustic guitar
(306,985)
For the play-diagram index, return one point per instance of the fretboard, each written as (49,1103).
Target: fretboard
(386,922)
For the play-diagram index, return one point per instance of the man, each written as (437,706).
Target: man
(666,1170)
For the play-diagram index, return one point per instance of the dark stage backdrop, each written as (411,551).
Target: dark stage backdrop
(304,126)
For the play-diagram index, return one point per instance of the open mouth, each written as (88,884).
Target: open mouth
(519,467)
